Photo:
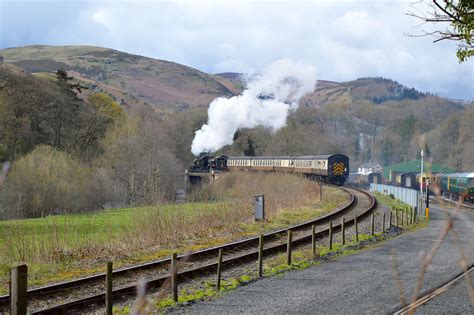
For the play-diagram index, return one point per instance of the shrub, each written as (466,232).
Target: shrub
(45,181)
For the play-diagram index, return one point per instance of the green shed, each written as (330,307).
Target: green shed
(414,167)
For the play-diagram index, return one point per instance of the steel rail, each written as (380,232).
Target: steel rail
(192,256)
(432,293)
(127,291)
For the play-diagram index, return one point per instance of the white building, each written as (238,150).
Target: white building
(369,167)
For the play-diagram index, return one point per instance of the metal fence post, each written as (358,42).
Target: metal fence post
(313,240)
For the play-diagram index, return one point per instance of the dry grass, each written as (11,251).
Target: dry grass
(62,247)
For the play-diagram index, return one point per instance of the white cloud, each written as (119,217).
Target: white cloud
(344,39)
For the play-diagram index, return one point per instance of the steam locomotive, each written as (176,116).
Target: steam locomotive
(333,169)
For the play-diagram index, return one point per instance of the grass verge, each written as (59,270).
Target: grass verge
(63,247)
(274,266)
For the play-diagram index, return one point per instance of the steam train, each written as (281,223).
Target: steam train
(332,169)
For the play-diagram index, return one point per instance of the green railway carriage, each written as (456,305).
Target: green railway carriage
(458,184)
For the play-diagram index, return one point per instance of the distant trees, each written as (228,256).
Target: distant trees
(45,181)
(136,167)
(77,152)
(37,111)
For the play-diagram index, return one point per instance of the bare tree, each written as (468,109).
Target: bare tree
(457,16)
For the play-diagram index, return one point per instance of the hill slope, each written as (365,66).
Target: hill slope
(128,77)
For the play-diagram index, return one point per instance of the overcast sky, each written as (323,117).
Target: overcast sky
(343,39)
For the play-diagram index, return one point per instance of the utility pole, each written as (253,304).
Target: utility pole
(427,211)
(421,177)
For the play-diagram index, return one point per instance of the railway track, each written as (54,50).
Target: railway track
(462,204)
(66,297)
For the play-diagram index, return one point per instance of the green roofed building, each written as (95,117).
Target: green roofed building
(414,167)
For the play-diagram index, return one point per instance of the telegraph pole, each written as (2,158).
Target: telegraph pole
(421,175)
(427,211)
(421,179)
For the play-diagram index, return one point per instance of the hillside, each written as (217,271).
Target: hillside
(375,119)
(131,79)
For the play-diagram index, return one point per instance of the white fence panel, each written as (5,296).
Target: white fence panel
(407,195)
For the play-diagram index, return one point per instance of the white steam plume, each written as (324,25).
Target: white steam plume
(266,102)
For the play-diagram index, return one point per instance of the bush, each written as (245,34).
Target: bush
(45,181)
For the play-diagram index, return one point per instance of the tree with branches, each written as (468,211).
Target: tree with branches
(456,15)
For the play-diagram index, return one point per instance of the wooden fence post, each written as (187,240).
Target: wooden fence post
(219,269)
(174,277)
(108,289)
(288,248)
(19,284)
(260,256)
(390,220)
(403,212)
(320,191)
(313,240)
(330,235)
(396,217)
(383,223)
(343,231)
(357,228)
(372,223)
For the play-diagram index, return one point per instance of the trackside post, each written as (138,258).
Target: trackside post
(260,256)
(19,283)
(383,223)
(288,248)
(330,235)
(219,270)
(174,276)
(357,228)
(372,224)
(108,289)
(343,231)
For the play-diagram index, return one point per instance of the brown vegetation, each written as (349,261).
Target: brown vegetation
(81,242)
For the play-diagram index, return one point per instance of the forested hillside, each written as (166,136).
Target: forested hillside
(373,119)
(82,140)
(131,79)
(74,151)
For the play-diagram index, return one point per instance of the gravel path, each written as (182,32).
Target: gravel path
(361,283)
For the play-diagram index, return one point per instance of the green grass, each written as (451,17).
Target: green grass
(388,201)
(63,247)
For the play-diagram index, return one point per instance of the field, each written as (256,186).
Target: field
(62,247)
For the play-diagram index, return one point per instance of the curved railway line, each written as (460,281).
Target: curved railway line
(66,297)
